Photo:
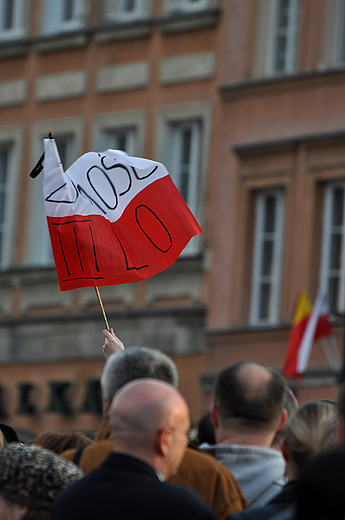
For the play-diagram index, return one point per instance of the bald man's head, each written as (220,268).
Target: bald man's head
(250,392)
(149,419)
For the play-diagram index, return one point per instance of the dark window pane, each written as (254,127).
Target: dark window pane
(186,146)
(67,10)
(129,6)
(338,207)
(265,294)
(267,258)
(3,165)
(333,291)
(336,247)
(8,14)
(270,215)
(283,12)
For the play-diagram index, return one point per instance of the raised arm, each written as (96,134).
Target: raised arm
(111,343)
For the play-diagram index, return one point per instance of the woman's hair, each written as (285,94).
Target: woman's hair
(310,428)
(60,440)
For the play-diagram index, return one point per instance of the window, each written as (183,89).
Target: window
(119,139)
(182,143)
(11,19)
(11,142)
(68,137)
(333,254)
(120,131)
(125,10)
(63,15)
(183,159)
(268,241)
(6,152)
(284,36)
(341,25)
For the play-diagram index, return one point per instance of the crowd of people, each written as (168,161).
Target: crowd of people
(258,454)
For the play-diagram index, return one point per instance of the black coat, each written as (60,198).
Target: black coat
(285,500)
(126,488)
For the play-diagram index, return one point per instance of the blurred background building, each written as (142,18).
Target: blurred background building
(243,101)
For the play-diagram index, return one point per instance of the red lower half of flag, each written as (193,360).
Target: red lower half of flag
(149,236)
(295,340)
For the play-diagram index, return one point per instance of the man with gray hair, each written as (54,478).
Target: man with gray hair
(198,471)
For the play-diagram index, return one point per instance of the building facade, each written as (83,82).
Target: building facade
(242,100)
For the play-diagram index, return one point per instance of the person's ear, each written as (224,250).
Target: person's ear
(106,407)
(162,441)
(19,512)
(283,419)
(214,415)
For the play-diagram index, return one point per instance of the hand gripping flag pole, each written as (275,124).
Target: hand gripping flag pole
(112,218)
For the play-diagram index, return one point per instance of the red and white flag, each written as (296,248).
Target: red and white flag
(112,218)
(309,325)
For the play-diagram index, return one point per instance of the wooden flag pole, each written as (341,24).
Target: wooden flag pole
(102,309)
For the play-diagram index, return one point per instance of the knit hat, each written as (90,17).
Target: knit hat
(33,476)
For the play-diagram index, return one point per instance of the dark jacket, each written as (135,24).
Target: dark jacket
(198,471)
(124,487)
(284,500)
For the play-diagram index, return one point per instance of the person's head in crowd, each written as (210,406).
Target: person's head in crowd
(61,440)
(311,428)
(248,403)
(321,487)
(290,404)
(206,430)
(31,477)
(9,433)
(149,420)
(135,363)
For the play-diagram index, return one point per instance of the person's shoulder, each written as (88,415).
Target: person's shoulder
(186,500)
(194,457)
(92,456)
(267,512)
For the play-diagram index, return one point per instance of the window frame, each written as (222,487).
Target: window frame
(292,36)
(127,119)
(326,244)
(53,22)
(13,135)
(179,113)
(258,241)
(174,138)
(18,28)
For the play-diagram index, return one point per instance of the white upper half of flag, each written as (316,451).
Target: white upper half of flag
(101,183)
(320,309)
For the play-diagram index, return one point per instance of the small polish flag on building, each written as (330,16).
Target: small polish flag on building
(310,325)
(112,218)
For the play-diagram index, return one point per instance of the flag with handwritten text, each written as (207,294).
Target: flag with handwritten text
(112,218)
